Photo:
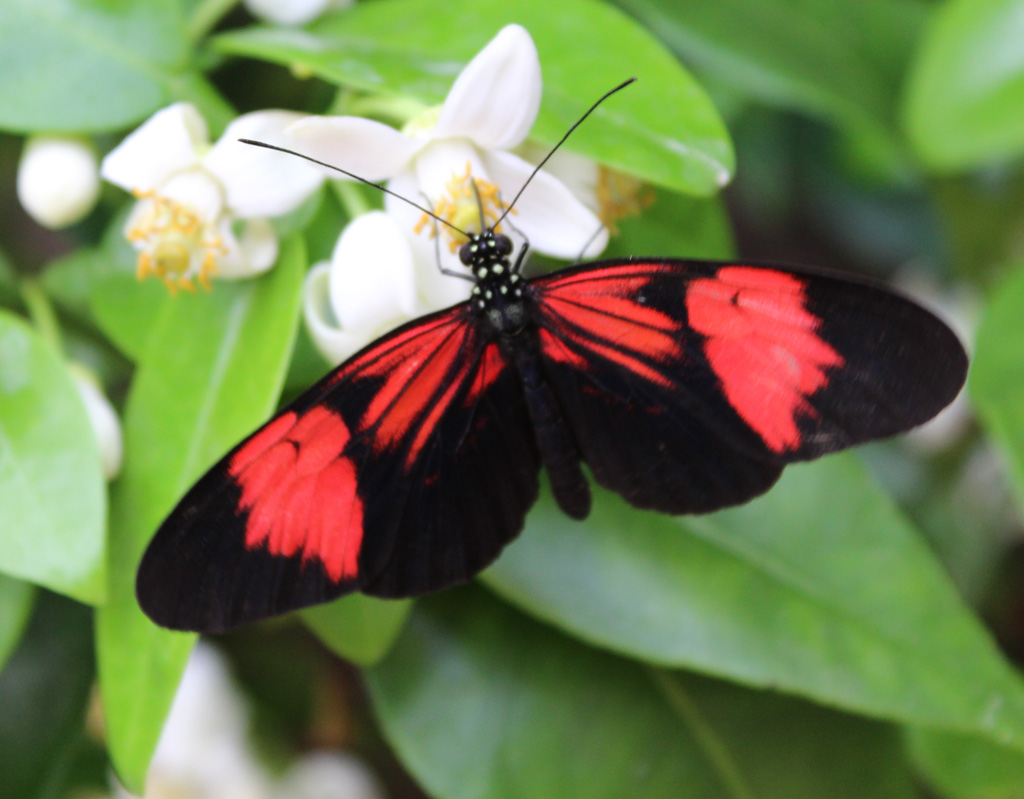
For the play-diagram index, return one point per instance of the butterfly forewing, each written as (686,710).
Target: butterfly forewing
(380,478)
(690,384)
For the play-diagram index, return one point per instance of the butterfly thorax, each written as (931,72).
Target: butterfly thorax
(498,294)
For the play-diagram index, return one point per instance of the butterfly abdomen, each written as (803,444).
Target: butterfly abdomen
(558,449)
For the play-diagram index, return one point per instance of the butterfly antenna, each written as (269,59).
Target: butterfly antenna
(561,141)
(479,204)
(346,173)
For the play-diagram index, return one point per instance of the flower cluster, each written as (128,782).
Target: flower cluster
(203,210)
(386,267)
(191,194)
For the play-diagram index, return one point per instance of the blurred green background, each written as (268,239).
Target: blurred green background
(855,633)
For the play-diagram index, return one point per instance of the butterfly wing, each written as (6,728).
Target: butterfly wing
(689,385)
(396,445)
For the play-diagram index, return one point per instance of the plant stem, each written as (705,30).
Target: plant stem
(41,313)
(206,15)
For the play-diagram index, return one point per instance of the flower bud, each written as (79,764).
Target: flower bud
(105,424)
(58,180)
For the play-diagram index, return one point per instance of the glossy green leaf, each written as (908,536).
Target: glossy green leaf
(966,87)
(842,61)
(16,601)
(68,280)
(90,65)
(212,371)
(997,374)
(819,588)
(479,701)
(663,129)
(126,310)
(675,225)
(965,767)
(52,492)
(44,693)
(358,628)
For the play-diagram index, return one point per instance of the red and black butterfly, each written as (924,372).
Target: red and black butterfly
(684,386)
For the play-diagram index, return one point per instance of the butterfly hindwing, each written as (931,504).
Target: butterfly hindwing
(342,490)
(689,385)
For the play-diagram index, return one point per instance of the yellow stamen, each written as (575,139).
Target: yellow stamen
(459,207)
(620,195)
(176,244)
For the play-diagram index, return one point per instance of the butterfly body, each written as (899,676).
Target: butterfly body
(684,386)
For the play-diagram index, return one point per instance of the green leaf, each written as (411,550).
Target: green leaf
(126,310)
(840,61)
(52,492)
(819,588)
(663,129)
(44,693)
(966,87)
(88,65)
(69,279)
(479,701)
(965,767)
(212,371)
(677,225)
(16,601)
(997,374)
(358,628)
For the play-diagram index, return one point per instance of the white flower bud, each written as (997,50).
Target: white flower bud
(105,424)
(291,12)
(58,180)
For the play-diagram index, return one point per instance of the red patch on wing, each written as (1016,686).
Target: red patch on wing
(422,372)
(605,312)
(300,491)
(491,367)
(763,344)
(419,383)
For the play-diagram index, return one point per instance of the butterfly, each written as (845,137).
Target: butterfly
(684,386)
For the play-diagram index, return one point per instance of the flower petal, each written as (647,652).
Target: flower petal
(555,222)
(495,99)
(258,243)
(248,254)
(196,190)
(259,182)
(331,341)
(369,149)
(443,161)
(372,284)
(166,143)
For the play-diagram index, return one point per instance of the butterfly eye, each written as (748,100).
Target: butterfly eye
(466,252)
(502,244)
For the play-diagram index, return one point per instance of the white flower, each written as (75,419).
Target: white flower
(191,193)
(105,425)
(58,180)
(374,282)
(292,12)
(204,750)
(328,775)
(440,155)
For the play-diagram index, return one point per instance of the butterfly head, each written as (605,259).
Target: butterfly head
(485,249)
(498,293)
